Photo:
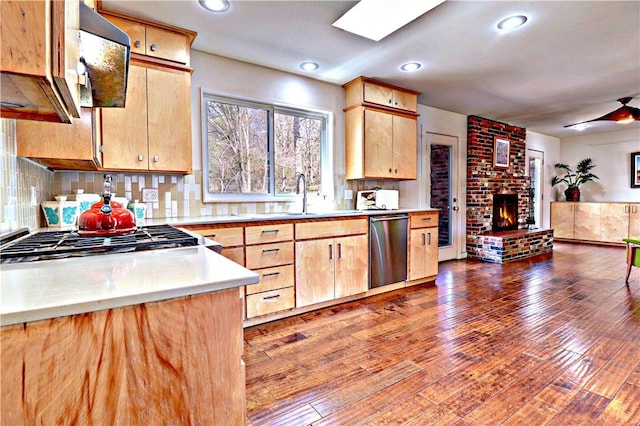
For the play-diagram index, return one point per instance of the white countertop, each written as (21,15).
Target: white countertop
(248,217)
(51,288)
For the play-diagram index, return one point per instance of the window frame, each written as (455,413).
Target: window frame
(326,149)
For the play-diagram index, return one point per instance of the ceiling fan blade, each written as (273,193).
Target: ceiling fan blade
(621,113)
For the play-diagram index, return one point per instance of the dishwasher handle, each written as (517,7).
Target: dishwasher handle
(388,218)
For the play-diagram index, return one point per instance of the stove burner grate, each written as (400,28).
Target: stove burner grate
(61,244)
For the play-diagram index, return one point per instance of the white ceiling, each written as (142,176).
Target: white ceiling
(569,63)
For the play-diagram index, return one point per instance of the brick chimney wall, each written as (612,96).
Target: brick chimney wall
(483,180)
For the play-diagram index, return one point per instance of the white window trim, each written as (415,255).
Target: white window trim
(326,154)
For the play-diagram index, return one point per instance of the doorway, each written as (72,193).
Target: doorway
(443,191)
(535,164)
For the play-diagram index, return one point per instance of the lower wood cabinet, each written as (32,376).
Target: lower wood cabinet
(597,222)
(423,245)
(330,268)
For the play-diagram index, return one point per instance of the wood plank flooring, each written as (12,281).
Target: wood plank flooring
(548,341)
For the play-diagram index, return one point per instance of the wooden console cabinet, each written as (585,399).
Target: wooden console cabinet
(595,222)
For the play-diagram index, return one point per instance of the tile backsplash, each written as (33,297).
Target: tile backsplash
(23,185)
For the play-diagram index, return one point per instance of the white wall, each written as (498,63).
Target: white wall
(550,146)
(611,154)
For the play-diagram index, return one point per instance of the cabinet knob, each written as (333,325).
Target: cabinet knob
(140,157)
(389,169)
(390,101)
(154,47)
(137,44)
(396,171)
(156,158)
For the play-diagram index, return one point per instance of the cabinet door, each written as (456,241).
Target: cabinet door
(134,30)
(352,258)
(169,116)
(586,225)
(167,45)
(378,145)
(634,221)
(562,219)
(423,253)
(68,146)
(404,100)
(314,271)
(380,95)
(614,222)
(124,130)
(404,147)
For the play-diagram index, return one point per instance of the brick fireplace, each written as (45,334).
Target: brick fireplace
(485,240)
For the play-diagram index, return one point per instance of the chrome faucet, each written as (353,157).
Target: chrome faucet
(301,177)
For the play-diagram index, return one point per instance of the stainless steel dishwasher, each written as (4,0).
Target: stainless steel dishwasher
(387,249)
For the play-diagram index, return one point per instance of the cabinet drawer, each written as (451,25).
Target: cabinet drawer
(235,253)
(228,237)
(269,233)
(270,301)
(272,279)
(423,220)
(266,255)
(331,228)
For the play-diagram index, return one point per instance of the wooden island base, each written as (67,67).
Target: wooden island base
(171,362)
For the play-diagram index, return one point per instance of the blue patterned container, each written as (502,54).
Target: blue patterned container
(61,214)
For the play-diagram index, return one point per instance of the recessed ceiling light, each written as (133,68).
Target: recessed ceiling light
(580,127)
(215,5)
(309,66)
(376,19)
(411,66)
(512,22)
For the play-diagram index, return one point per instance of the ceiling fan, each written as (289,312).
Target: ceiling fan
(624,114)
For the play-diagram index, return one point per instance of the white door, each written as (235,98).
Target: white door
(535,169)
(441,172)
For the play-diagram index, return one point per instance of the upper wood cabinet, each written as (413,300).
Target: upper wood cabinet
(61,146)
(154,39)
(380,131)
(363,90)
(153,131)
(38,57)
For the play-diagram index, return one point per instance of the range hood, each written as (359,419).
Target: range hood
(105,51)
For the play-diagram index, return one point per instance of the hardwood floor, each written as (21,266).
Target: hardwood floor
(554,340)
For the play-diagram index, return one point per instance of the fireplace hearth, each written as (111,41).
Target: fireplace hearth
(505,212)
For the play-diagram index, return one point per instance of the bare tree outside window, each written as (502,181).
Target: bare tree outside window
(258,149)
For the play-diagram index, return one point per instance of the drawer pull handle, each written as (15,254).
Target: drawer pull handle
(273,250)
(270,230)
(210,236)
(626,209)
(424,243)
(339,250)
(271,297)
(154,47)
(330,251)
(271,274)
(137,43)
(429,238)
(425,219)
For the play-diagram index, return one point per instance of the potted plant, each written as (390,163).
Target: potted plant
(574,180)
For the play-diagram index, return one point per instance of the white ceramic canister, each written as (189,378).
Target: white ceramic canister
(139,211)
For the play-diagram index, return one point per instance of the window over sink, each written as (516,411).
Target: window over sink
(253,150)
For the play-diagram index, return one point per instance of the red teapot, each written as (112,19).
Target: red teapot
(106,218)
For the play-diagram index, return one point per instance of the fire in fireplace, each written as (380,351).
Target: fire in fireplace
(505,212)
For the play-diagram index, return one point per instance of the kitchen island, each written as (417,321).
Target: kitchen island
(145,338)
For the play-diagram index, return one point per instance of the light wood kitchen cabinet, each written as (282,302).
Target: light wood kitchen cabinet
(59,146)
(232,239)
(153,132)
(38,58)
(170,362)
(154,39)
(381,141)
(331,268)
(269,250)
(423,245)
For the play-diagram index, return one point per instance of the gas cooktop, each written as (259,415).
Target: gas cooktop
(62,244)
